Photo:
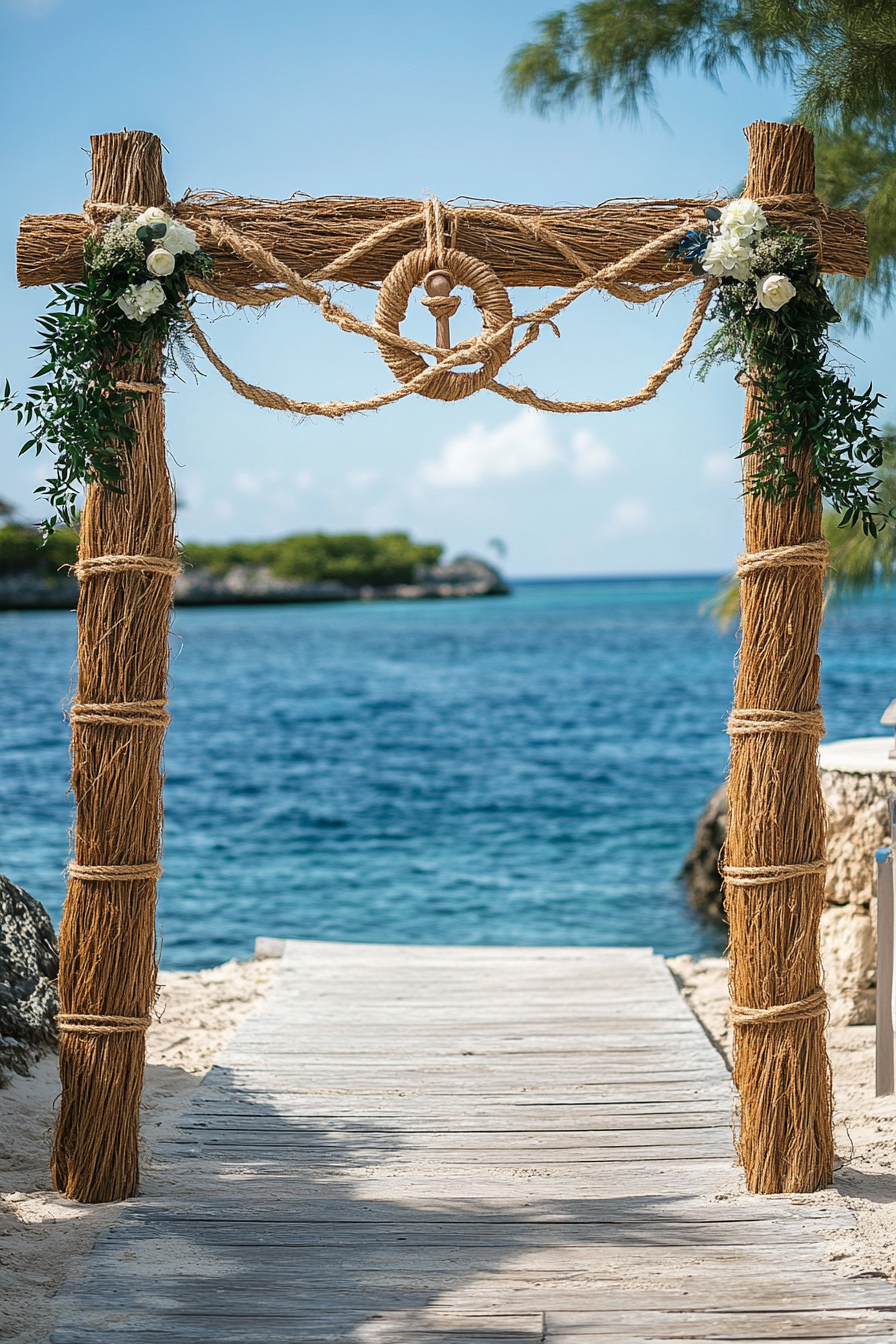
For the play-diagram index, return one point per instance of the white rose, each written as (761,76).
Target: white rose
(773,291)
(180,238)
(153,215)
(160,262)
(140,301)
(742,218)
(727,257)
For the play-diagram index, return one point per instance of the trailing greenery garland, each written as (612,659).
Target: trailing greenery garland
(774,313)
(132,301)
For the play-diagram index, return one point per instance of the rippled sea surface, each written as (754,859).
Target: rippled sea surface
(509,770)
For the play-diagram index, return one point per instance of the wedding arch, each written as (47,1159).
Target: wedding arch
(750,259)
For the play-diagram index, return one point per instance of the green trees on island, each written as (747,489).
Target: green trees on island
(839,54)
(352,557)
(22,549)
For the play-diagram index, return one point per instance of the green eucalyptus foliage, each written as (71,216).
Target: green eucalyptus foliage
(352,558)
(806,407)
(74,409)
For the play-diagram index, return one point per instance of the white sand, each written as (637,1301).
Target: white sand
(42,1235)
(864,1130)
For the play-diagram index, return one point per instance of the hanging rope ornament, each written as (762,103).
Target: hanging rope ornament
(439,267)
(444,266)
(490,297)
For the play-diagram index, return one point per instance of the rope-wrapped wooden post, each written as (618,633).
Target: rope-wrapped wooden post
(774,857)
(107,939)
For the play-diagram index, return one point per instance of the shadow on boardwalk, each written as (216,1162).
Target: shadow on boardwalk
(390,1159)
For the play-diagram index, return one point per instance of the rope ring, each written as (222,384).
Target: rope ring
(491,298)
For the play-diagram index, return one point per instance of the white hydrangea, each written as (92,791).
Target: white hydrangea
(139,302)
(727,256)
(742,218)
(179,238)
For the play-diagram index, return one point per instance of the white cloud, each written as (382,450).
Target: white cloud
(246,483)
(362,479)
(590,459)
(521,447)
(628,515)
(720,467)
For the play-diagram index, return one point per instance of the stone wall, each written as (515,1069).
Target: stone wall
(858,824)
(856,779)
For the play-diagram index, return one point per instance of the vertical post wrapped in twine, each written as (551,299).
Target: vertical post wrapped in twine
(107,939)
(774,854)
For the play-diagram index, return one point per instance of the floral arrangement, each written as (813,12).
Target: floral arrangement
(774,315)
(132,302)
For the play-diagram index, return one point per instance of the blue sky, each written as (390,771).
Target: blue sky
(396,98)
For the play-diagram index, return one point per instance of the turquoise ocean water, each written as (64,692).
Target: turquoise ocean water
(511,770)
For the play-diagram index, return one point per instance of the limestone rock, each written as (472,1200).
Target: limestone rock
(701,867)
(29,963)
(464,577)
(32,590)
(849,958)
(858,824)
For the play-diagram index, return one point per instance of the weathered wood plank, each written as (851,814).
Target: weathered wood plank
(465,1145)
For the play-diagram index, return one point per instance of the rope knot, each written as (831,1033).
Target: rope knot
(814,1005)
(441,305)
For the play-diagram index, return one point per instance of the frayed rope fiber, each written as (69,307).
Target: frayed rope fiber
(91,1024)
(112,564)
(809,722)
(114,872)
(807,554)
(764,876)
(815,1005)
(126,714)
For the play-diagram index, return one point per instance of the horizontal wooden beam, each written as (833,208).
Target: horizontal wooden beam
(312,233)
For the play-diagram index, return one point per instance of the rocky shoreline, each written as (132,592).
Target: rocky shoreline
(245,585)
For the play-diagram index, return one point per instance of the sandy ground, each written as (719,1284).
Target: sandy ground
(864,1129)
(42,1235)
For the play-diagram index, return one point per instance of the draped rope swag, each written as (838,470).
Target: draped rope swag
(264,252)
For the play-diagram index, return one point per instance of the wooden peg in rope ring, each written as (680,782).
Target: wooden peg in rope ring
(491,299)
(441,303)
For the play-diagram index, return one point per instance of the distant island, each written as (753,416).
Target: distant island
(305,567)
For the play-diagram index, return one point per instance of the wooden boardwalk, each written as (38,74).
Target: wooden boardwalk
(408,1145)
